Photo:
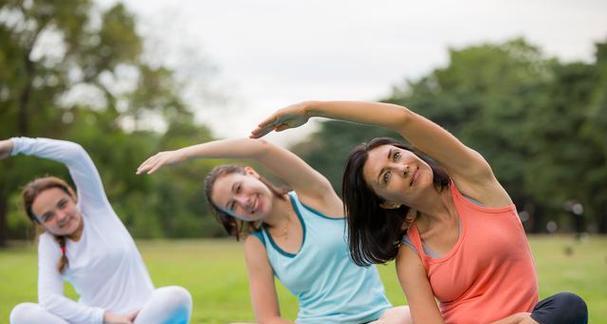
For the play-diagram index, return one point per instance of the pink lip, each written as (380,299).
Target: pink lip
(255,206)
(414,177)
(67,222)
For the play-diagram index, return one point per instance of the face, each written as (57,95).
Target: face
(57,213)
(243,196)
(397,175)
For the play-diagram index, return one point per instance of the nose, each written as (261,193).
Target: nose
(243,200)
(61,215)
(402,168)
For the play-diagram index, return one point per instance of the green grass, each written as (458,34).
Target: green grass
(214,272)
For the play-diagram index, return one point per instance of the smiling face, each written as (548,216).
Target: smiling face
(397,175)
(243,196)
(56,211)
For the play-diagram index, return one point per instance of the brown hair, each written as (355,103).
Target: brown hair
(30,193)
(233,226)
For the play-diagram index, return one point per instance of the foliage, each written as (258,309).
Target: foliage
(540,123)
(73,71)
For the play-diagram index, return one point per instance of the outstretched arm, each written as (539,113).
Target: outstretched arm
(284,164)
(6,146)
(72,155)
(467,167)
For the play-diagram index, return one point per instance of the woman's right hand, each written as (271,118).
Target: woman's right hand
(155,162)
(6,146)
(285,118)
(111,318)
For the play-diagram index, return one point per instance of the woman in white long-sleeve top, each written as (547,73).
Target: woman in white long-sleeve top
(85,243)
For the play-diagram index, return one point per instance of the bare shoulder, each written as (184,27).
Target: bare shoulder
(253,246)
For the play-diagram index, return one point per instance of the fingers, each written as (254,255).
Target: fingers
(155,167)
(145,166)
(265,127)
(268,121)
(150,165)
(261,131)
(281,127)
(133,315)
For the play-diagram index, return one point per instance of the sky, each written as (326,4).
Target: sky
(249,58)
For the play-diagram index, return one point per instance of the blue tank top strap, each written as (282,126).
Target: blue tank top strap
(320,214)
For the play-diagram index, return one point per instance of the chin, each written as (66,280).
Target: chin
(73,227)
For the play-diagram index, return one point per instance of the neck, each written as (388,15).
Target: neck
(77,233)
(281,212)
(436,206)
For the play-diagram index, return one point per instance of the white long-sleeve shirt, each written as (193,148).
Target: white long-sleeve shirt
(105,267)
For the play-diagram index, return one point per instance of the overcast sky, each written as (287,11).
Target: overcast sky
(265,54)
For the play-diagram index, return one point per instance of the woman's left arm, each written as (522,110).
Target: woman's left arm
(468,168)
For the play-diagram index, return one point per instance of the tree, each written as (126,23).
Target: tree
(53,54)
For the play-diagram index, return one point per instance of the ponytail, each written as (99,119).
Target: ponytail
(63,261)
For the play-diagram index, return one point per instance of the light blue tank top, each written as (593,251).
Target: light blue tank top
(329,286)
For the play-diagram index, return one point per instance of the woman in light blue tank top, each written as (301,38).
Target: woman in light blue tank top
(298,236)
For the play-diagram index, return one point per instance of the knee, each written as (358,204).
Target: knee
(23,313)
(179,296)
(399,314)
(577,306)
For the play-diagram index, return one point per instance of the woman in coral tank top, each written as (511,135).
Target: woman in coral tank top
(438,209)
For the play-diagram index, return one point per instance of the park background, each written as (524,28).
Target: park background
(126,83)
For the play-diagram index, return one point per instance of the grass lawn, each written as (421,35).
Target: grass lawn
(214,272)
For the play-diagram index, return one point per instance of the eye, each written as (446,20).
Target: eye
(238,188)
(231,206)
(62,204)
(386,177)
(47,217)
(396,156)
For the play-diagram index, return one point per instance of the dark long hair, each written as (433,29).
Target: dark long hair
(233,226)
(30,193)
(374,233)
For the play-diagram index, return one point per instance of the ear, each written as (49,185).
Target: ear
(389,205)
(251,171)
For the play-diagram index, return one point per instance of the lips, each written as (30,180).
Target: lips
(255,205)
(414,177)
(66,223)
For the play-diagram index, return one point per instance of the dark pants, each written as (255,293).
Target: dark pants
(562,308)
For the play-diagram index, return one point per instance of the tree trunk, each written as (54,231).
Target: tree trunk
(537,217)
(24,98)
(3,217)
(602,219)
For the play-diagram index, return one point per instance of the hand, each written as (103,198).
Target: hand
(6,147)
(111,318)
(157,161)
(285,118)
